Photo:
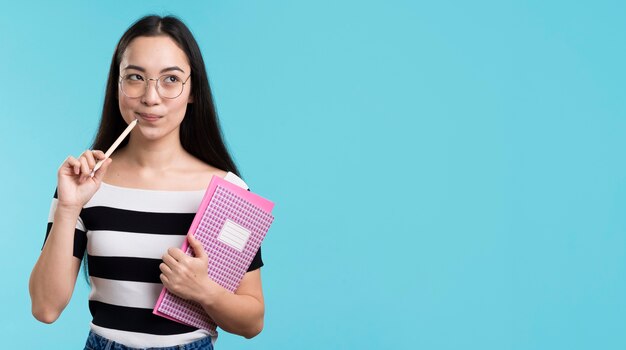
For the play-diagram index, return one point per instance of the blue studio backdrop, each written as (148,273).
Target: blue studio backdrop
(447,175)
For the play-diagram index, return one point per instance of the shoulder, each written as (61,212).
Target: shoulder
(205,172)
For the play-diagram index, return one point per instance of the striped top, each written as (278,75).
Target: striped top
(125,232)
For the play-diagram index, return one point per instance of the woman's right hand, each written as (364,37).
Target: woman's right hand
(75,185)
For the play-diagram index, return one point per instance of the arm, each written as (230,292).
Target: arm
(239,313)
(53,278)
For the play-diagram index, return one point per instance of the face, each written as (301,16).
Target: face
(154,58)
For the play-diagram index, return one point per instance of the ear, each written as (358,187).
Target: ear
(190,99)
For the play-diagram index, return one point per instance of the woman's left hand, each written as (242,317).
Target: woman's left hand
(187,276)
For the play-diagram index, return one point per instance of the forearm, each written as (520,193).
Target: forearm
(54,275)
(240,314)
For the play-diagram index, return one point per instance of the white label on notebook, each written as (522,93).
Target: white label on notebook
(234,235)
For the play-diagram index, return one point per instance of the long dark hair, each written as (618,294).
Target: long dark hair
(200,133)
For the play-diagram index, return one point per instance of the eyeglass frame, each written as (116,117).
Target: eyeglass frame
(156,86)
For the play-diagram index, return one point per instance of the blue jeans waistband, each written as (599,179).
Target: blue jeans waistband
(98,342)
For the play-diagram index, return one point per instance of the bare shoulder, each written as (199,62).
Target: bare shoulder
(206,172)
(201,173)
(191,173)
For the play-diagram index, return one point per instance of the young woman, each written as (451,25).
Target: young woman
(130,218)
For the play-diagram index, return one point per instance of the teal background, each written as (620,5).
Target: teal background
(447,175)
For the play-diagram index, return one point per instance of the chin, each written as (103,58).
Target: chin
(154,133)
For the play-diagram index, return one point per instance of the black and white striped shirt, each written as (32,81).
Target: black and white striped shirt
(125,232)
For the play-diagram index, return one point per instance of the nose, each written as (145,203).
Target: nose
(151,96)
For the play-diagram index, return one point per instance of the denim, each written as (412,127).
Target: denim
(97,342)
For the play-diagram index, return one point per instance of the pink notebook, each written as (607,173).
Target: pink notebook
(231,223)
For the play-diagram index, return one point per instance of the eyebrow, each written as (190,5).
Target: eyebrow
(168,69)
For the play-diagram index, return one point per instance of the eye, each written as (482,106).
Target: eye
(133,77)
(170,79)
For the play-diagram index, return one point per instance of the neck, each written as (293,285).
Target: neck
(154,155)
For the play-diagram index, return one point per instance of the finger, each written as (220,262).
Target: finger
(197,247)
(177,254)
(98,154)
(165,280)
(69,160)
(73,164)
(169,261)
(70,163)
(99,174)
(165,269)
(91,161)
(84,166)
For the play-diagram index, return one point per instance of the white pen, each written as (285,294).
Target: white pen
(114,146)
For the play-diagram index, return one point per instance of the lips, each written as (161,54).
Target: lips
(149,117)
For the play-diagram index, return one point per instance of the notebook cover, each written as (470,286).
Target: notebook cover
(226,214)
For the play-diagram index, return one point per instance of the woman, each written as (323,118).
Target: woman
(131,216)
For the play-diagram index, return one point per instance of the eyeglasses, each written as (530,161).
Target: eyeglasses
(167,86)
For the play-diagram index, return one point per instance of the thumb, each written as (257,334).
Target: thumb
(198,249)
(103,169)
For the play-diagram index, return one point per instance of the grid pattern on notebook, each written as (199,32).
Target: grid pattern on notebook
(227,265)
